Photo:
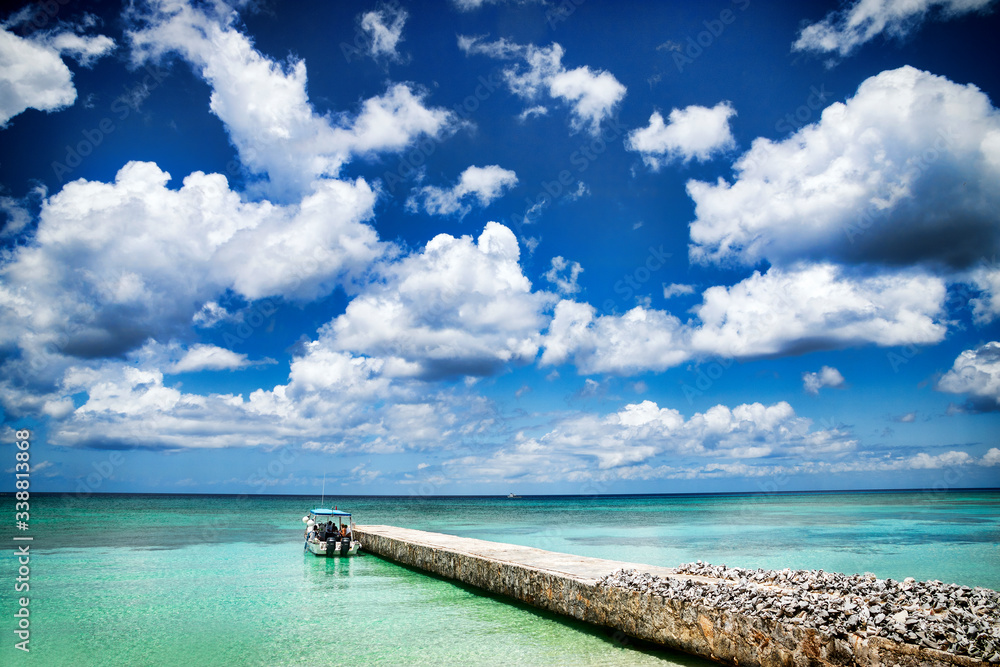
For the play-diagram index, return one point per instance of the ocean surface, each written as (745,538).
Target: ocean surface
(223,580)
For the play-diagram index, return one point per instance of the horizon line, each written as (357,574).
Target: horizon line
(527,495)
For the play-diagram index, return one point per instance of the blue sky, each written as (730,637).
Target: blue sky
(488,246)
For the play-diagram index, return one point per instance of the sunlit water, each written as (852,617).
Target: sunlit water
(213,580)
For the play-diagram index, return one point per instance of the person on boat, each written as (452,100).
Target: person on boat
(311,533)
(347,531)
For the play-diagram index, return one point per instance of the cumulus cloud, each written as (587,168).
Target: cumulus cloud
(591,95)
(933,462)
(692,133)
(384,27)
(637,341)
(563,274)
(826,377)
(332,401)
(902,173)
(264,104)
(821,306)
(976,373)
(783,311)
(131,408)
(992,457)
(483,184)
(578,446)
(843,31)
(113,264)
(525,460)
(33,74)
(459,307)
(877,206)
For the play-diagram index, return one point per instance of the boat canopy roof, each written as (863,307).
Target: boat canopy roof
(327,512)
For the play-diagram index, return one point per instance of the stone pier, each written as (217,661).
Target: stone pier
(568,585)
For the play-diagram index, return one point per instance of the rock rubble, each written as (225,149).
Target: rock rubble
(947,617)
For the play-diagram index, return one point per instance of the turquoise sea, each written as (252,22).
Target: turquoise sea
(223,580)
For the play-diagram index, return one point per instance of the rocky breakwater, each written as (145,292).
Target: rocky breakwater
(794,617)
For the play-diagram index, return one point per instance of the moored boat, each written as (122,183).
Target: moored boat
(325,538)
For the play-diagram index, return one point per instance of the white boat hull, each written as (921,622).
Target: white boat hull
(319,548)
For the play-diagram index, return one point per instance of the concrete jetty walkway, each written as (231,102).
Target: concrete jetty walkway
(567,584)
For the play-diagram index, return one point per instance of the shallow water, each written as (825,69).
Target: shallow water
(130,580)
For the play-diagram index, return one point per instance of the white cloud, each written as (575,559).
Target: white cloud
(390,122)
(210,315)
(976,373)
(860,462)
(581,191)
(385,29)
(33,75)
(903,172)
(591,95)
(209,357)
(362,474)
(40,466)
(17,216)
(986,276)
(637,341)
(819,306)
(85,48)
(136,392)
(677,289)
(304,251)
(459,307)
(484,184)
(844,30)
(173,357)
(579,446)
(693,133)
(900,175)
(565,284)
(538,110)
(826,377)
(992,457)
(470,5)
(129,407)
(336,402)
(530,460)
(264,104)
(923,461)
(783,311)
(112,264)
(333,401)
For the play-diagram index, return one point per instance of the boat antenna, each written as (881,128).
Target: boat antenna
(323,499)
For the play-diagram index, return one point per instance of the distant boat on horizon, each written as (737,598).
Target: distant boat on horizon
(513,495)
